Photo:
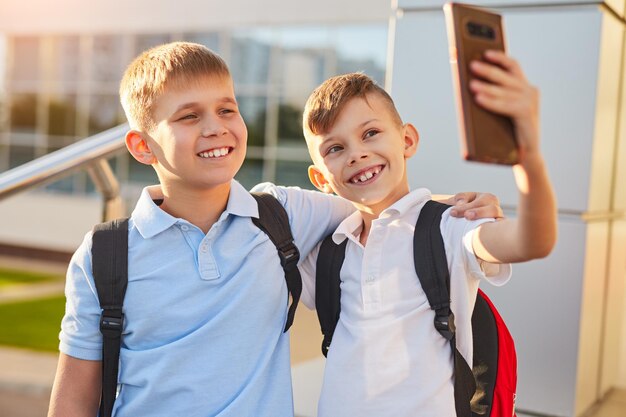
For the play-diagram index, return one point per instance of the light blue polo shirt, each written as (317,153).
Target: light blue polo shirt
(204,314)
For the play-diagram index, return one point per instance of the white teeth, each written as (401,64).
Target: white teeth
(214,153)
(366,175)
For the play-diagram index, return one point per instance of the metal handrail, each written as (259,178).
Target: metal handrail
(90,153)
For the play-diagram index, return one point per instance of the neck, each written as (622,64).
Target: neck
(371,212)
(200,207)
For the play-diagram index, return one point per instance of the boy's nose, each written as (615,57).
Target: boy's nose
(357,156)
(213,129)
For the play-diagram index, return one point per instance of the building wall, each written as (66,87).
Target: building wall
(562,310)
(144,16)
(59,76)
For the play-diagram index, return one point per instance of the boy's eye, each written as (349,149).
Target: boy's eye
(189,116)
(370,133)
(226,111)
(333,149)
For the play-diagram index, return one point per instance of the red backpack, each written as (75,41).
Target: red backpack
(494,350)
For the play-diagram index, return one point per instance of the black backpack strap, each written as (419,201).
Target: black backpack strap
(109,254)
(327,287)
(273,220)
(431,266)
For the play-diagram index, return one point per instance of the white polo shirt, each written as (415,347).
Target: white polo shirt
(386,358)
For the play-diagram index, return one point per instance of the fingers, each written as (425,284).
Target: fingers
(503,88)
(503,60)
(476,206)
(499,69)
(483,212)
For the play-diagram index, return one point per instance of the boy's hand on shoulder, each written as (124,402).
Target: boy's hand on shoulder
(473,205)
(504,89)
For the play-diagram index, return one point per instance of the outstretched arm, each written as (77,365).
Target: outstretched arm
(533,233)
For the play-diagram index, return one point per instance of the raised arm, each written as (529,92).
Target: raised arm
(533,233)
(76,389)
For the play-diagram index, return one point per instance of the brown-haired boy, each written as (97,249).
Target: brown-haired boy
(386,357)
(206,302)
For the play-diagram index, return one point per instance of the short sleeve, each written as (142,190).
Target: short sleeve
(80,335)
(312,215)
(494,273)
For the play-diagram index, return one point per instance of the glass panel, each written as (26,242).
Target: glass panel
(105,112)
(4,157)
(250,173)
(23,139)
(301,71)
(293,173)
(58,142)
(141,173)
(3,60)
(209,39)
(23,112)
(25,59)
(290,123)
(107,62)
(19,155)
(67,56)
(250,60)
(144,42)
(66,185)
(362,48)
(62,115)
(253,111)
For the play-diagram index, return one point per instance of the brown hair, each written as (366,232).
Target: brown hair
(169,65)
(326,101)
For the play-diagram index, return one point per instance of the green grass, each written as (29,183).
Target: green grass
(12,277)
(33,324)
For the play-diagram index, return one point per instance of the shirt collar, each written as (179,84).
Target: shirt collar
(150,220)
(240,202)
(351,226)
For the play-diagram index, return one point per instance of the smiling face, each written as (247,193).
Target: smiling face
(199,138)
(362,157)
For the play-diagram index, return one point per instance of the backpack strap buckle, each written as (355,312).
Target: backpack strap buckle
(444,323)
(111,322)
(289,255)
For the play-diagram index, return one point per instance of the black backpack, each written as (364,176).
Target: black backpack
(494,349)
(110,271)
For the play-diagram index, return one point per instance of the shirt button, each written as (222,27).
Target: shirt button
(184,227)
(204,248)
(370,278)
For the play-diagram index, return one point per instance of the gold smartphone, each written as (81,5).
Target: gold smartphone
(485,136)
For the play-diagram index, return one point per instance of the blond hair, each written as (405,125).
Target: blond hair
(326,101)
(170,65)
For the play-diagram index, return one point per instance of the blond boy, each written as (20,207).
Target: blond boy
(386,357)
(206,302)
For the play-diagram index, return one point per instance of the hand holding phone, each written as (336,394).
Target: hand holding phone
(485,136)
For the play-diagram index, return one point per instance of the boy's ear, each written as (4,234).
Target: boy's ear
(318,180)
(411,140)
(138,147)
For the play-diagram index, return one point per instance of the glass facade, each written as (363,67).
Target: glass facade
(57,89)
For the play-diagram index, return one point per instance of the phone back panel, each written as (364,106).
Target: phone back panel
(485,136)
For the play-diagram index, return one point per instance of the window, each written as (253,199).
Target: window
(63,88)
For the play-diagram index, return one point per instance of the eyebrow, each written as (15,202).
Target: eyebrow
(196,104)
(361,126)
